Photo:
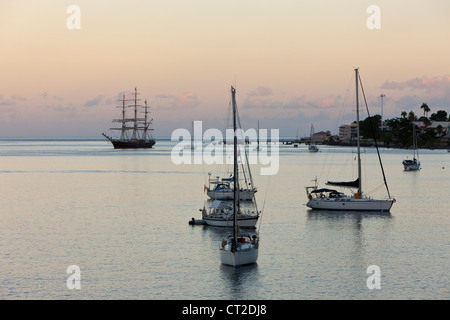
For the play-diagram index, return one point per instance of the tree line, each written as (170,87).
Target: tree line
(398,131)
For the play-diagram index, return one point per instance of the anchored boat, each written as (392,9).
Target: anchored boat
(135,132)
(237,249)
(330,199)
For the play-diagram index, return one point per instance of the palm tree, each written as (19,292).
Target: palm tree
(403,114)
(425,108)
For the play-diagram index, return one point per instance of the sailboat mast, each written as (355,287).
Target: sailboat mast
(416,151)
(357,134)
(236,178)
(257,139)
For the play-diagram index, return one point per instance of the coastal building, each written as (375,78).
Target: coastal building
(347,132)
(441,128)
(321,136)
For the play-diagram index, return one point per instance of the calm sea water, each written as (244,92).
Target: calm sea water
(122,217)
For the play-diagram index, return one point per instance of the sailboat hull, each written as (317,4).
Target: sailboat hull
(239,258)
(350,204)
(411,166)
(223,222)
(246,195)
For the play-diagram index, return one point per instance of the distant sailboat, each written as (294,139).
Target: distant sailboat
(192,144)
(238,250)
(257,138)
(138,134)
(414,164)
(330,199)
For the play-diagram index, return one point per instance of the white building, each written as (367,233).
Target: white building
(347,132)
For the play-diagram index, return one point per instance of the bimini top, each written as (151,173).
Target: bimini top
(217,204)
(323,190)
(350,184)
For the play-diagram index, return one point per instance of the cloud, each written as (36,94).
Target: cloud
(187,100)
(12,101)
(58,98)
(19,98)
(182,100)
(295,103)
(435,91)
(423,82)
(7,103)
(326,102)
(259,98)
(164,96)
(261,103)
(313,105)
(94,102)
(260,92)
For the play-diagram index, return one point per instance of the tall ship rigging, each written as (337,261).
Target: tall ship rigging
(135,132)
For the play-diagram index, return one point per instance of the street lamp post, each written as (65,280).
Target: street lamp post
(382,96)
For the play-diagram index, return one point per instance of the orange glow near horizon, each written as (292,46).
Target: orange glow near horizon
(184,56)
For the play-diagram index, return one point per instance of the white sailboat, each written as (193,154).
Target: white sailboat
(220,214)
(312,147)
(238,250)
(414,164)
(221,188)
(330,199)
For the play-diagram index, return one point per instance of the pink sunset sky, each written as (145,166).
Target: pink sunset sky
(291,62)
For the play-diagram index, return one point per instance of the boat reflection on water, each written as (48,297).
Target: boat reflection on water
(237,281)
(344,226)
(342,215)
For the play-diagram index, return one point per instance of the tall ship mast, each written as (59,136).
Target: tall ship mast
(135,132)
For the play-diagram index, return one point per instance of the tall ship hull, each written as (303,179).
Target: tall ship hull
(131,144)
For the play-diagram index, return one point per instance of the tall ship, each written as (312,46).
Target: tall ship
(135,132)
